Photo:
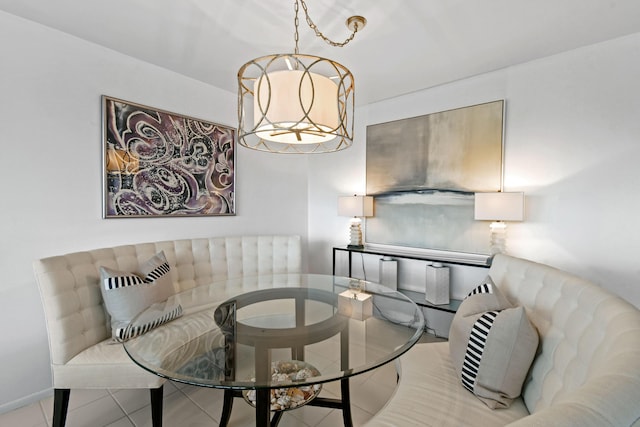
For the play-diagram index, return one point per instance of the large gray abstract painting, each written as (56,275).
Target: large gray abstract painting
(423,172)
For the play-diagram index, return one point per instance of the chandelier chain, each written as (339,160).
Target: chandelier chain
(314,27)
(296,21)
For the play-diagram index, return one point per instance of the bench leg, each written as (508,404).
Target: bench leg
(156,406)
(60,406)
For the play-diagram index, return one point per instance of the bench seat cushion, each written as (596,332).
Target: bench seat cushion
(429,393)
(108,361)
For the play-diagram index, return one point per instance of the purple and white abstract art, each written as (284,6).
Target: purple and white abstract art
(158,163)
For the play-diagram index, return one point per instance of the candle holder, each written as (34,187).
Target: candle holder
(357,305)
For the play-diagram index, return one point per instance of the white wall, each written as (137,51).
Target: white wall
(50,140)
(571,144)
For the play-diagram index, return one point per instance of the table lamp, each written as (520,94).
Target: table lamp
(356,207)
(499,207)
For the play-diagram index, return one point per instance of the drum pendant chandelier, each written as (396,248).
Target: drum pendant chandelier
(296,103)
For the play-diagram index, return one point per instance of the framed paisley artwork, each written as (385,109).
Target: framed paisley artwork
(162,164)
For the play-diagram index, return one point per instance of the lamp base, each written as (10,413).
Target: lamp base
(355,234)
(498,240)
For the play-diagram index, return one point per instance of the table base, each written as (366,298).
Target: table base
(263,406)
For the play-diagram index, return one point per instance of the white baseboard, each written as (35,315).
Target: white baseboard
(27,400)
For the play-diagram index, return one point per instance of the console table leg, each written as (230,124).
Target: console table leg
(346,402)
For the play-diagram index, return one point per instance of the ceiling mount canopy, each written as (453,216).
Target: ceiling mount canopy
(297,103)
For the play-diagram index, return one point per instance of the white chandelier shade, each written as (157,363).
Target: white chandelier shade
(317,107)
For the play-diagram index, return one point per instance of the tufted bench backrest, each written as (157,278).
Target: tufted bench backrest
(589,353)
(69,284)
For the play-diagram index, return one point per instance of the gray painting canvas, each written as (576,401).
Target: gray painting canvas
(423,172)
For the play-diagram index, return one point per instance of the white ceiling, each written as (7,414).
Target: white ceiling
(406,46)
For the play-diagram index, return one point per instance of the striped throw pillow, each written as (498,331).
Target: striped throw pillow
(154,316)
(492,345)
(127,294)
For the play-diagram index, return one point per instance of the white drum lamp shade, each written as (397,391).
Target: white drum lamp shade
(499,206)
(359,206)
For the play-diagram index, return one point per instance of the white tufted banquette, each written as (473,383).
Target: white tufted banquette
(79,332)
(586,372)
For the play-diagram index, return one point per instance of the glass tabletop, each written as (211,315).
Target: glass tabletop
(279,331)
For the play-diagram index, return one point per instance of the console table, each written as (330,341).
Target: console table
(473,260)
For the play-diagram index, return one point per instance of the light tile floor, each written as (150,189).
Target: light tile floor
(196,406)
(190,406)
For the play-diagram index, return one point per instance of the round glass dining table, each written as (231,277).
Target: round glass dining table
(274,340)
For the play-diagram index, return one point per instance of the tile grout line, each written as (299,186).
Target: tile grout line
(126,414)
(44,413)
(198,406)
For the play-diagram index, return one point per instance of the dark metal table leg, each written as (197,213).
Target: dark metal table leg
(227,405)
(276,418)
(346,402)
(263,407)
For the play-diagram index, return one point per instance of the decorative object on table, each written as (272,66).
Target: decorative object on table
(499,207)
(355,304)
(287,373)
(356,207)
(437,286)
(162,164)
(388,272)
(296,103)
(423,171)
